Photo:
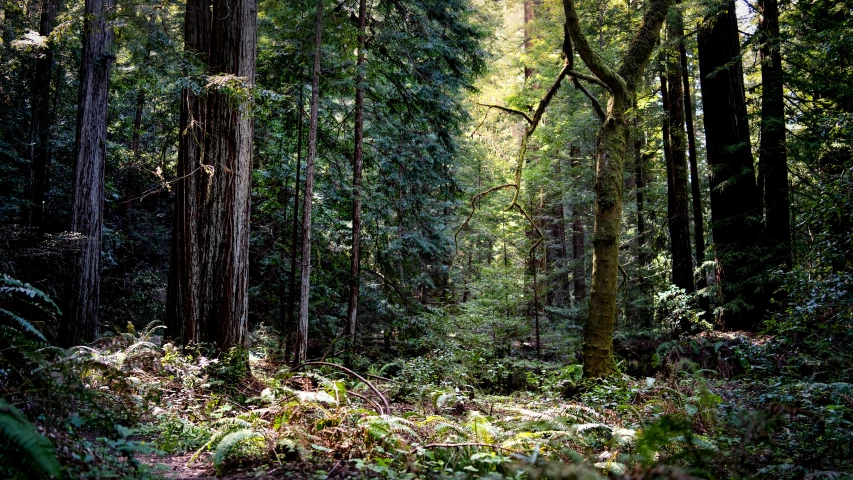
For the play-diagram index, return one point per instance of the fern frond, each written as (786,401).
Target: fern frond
(19,431)
(227,444)
(13,285)
(26,325)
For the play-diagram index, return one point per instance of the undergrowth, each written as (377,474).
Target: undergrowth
(707,406)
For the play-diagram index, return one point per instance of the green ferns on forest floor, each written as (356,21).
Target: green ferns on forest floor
(716,407)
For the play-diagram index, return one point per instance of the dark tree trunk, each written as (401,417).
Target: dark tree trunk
(182,300)
(294,241)
(695,190)
(224,232)
(735,202)
(772,160)
(80,323)
(40,126)
(643,286)
(300,350)
(215,265)
(134,148)
(678,217)
(355,267)
(578,244)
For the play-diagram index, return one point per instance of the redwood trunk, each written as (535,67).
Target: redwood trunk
(695,190)
(208,287)
(224,205)
(301,347)
(355,267)
(678,218)
(182,301)
(734,195)
(773,159)
(80,322)
(40,126)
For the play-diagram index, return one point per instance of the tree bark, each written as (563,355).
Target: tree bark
(678,219)
(134,149)
(773,159)
(224,232)
(355,266)
(578,243)
(80,323)
(291,299)
(301,347)
(734,195)
(695,190)
(182,300)
(209,278)
(40,123)
(610,152)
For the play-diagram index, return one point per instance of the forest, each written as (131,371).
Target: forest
(412,239)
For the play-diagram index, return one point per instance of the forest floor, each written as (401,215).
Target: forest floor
(707,406)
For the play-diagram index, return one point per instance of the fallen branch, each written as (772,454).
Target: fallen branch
(363,380)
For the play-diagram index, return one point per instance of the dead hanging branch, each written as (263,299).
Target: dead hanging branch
(532,123)
(386,410)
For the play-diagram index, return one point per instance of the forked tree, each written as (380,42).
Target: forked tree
(610,153)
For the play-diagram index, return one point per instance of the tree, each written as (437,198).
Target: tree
(355,269)
(80,323)
(183,300)
(610,152)
(773,158)
(301,347)
(40,122)
(734,195)
(695,189)
(215,283)
(678,220)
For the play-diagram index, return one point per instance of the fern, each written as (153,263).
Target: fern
(12,285)
(19,431)
(25,325)
(228,443)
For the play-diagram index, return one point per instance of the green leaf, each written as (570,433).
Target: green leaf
(228,443)
(39,450)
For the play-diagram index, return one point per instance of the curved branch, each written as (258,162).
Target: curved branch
(588,78)
(363,380)
(595,105)
(506,109)
(474,208)
(595,64)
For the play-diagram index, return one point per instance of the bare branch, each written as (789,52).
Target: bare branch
(507,110)
(595,105)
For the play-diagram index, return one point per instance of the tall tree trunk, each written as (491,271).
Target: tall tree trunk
(182,300)
(355,267)
(695,190)
(773,159)
(80,323)
(678,218)
(735,201)
(643,260)
(578,243)
(529,15)
(212,260)
(224,233)
(40,126)
(301,347)
(294,241)
(610,152)
(134,148)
